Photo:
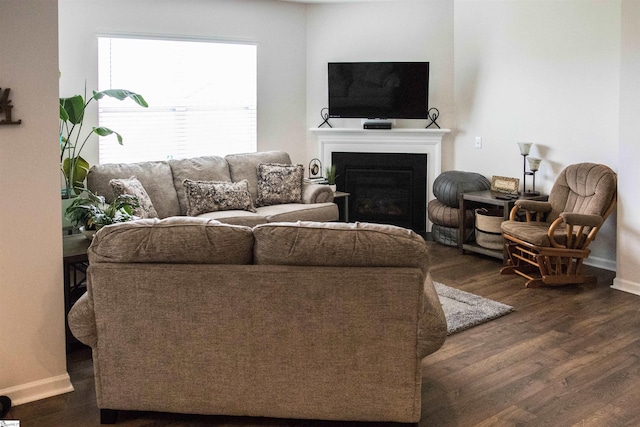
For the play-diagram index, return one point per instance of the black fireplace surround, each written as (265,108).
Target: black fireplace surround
(386,188)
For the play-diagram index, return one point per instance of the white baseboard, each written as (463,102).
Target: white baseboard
(37,390)
(603,263)
(626,286)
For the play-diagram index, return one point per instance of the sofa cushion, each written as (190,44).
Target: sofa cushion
(279,183)
(206,168)
(236,217)
(175,240)
(155,177)
(134,187)
(212,196)
(245,166)
(339,245)
(292,212)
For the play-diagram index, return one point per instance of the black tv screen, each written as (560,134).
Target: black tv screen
(378,90)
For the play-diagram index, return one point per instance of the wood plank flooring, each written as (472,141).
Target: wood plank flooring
(567,356)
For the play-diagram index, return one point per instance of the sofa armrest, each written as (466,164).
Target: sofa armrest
(316,193)
(82,321)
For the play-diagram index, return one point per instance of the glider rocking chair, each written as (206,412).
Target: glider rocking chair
(548,248)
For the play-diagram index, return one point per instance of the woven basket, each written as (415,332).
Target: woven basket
(488,232)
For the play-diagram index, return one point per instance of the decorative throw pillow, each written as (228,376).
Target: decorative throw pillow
(134,187)
(279,183)
(212,196)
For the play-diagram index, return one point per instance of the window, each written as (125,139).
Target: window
(201,96)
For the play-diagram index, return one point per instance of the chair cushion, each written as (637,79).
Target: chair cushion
(533,232)
(585,188)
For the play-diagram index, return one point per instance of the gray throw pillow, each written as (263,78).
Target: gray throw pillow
(212,196)
(279,183)
(134,187)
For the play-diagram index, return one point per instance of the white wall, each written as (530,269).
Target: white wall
(628,262)
(381,31)
(32,337)
(544,71)
(277,27)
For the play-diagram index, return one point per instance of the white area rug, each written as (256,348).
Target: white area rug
(464,310)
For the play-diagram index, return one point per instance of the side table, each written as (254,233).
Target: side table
(345,196)
(476,199)
(75,262)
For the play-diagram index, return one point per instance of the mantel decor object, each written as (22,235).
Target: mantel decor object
(433,114)
(315,168)
(324,113)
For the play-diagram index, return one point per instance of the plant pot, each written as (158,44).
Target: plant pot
(87,233)
(333,187)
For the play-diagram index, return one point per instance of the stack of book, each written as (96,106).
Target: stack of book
(317,180)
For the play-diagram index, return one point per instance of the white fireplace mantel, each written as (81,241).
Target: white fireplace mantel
(399,140)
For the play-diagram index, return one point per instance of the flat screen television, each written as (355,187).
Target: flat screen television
(378,90)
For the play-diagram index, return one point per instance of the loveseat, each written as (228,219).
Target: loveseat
(215,188)
(303,320)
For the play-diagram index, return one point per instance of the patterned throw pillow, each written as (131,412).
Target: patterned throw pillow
(212,196)
(134,187)
(279,183)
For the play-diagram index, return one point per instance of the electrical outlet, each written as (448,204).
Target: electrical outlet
(478,142)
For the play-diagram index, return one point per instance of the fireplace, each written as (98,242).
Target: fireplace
(392,141)
(387,188)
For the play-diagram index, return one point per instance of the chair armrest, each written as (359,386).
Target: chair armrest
(533,205)
(582,219)
(529,206)
(576,238)
(316,193)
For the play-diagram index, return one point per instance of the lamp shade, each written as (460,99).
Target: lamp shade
(534,163)
(525,147)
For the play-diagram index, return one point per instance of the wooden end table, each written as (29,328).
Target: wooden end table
(476,199)
(345,196)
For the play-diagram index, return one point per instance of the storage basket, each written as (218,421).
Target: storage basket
(488,232)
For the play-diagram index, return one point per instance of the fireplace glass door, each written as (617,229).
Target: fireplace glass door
(385,188)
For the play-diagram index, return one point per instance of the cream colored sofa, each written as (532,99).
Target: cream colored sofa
(163,182)
(301,320)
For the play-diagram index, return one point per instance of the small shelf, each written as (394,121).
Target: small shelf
(480,198)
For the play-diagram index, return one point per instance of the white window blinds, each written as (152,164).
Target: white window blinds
(201,96)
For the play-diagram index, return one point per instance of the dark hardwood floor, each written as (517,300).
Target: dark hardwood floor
(566,356)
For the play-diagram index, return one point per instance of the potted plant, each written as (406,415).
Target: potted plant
(331,176)
(91,212)
(72,139)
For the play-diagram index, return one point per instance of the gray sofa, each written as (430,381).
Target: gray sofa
(163,182)
(302,320)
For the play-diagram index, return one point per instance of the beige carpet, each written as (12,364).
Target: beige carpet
(464,310)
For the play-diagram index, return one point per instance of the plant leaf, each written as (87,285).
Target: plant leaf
(64,116)
(103,131)
(74,108)
(121,94)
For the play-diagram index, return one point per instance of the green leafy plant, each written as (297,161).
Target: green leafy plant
(72,139)
(331,174)
(92,211)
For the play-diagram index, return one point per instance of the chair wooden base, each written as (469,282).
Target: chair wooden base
(543,266)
